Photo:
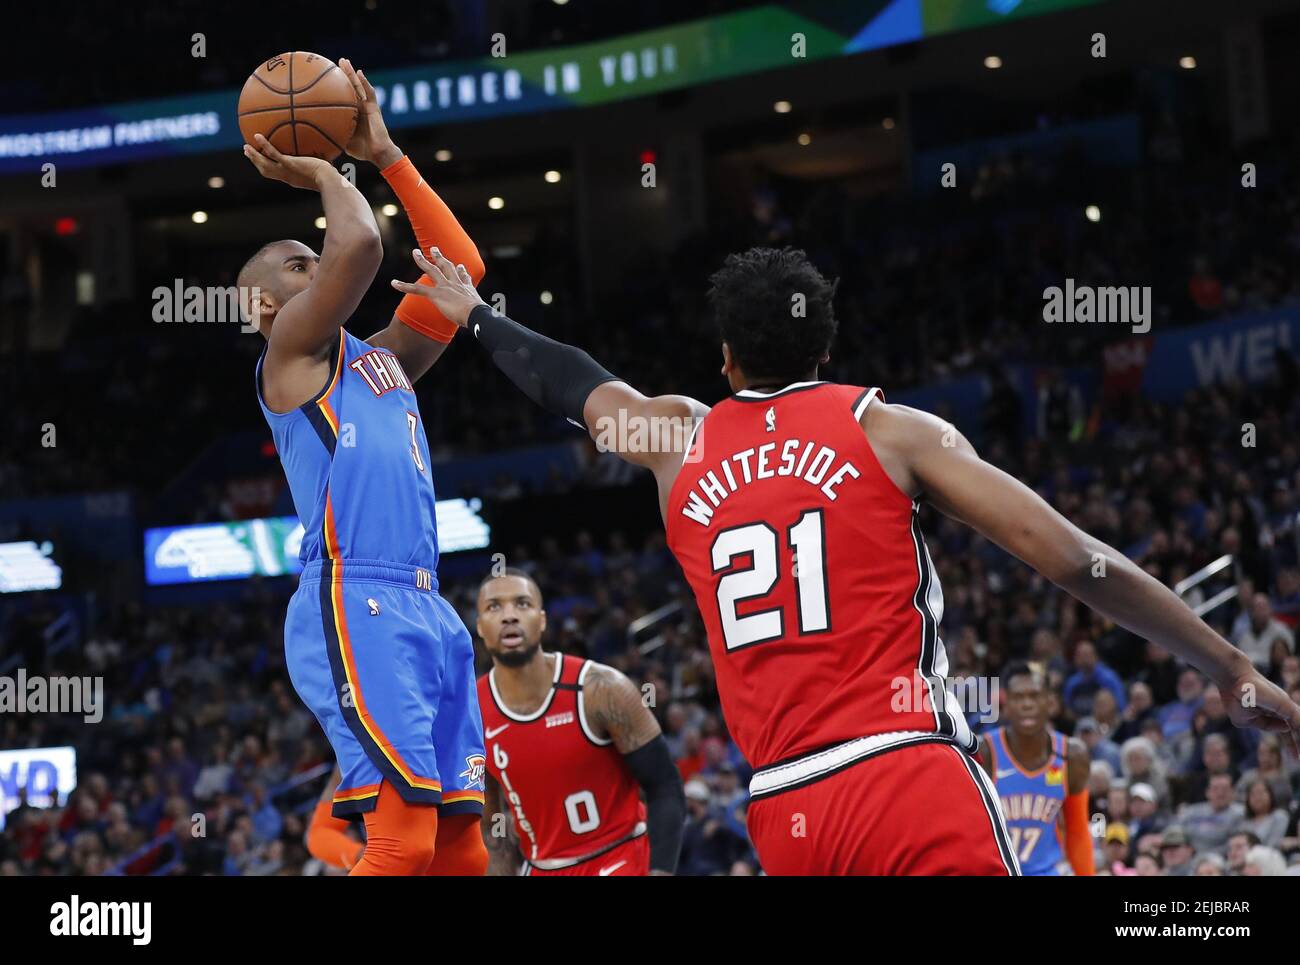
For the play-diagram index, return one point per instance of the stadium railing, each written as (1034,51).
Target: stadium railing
(1182,587)
(649,622)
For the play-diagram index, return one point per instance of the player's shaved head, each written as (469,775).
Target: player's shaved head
(269,267)
(257,268)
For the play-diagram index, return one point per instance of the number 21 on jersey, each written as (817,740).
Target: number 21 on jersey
(805,540)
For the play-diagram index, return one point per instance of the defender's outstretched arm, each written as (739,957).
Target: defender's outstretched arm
(926,456)
(561,378)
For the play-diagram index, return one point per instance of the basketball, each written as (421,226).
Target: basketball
(300,102)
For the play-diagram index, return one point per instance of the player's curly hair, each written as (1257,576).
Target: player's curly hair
(774,309)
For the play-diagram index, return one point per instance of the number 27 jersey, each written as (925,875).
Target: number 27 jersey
(811,575)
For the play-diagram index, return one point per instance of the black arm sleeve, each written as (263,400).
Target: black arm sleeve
(652,766)
(556,376)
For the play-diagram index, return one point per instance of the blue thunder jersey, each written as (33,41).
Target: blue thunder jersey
(357,462)
(1032,803)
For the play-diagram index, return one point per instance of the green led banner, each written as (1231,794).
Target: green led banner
(634,65)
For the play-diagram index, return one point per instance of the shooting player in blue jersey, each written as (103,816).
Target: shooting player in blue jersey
(378,656)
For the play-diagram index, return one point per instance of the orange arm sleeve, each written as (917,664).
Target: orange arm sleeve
(328,839)
(434,225)
(1078,835)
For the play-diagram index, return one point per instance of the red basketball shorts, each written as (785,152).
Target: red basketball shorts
(922,807)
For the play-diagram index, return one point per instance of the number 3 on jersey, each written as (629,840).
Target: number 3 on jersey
(413,423)
(806,539)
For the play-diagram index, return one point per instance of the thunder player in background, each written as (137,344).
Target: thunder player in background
(378,656)
(570,748)
(1042,780)
(793,509)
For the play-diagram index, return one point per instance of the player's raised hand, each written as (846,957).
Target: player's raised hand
(452,290)
(371,141)
(300,172)
(1254,701)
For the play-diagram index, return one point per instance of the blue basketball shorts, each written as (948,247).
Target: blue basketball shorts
(387,667)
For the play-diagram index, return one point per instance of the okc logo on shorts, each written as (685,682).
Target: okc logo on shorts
(475,765)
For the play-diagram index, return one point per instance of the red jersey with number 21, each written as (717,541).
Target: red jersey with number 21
(807,563)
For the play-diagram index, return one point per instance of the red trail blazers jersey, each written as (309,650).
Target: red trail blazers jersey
(819,596)
(571,794)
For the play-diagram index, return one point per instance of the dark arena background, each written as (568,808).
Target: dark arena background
(1070,228)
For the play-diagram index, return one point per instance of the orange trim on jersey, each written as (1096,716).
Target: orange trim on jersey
(328,412)
(349,667)
(357,793)
(1051,755)
(451,797)
(322,401)
(331,532)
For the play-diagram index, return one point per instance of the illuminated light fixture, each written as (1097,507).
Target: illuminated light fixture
(496,203)
(389,210)
(782,107)
(552,177)
(992,61)
(320,222)
(216,181)
(66,226)
(805,139)
(442,154)
(1092,213)
(1187,63)
(887,123)
(199,217)
(547,298)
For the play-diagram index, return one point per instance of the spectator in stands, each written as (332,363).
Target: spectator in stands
(1139,765)
(1239,844)
(1264,861)
(1263,629)
(1148,865)
(1140,707)
(1215,760)
(709,846)
(1271,769)
(1116,803)
(1204,287)
(1263,817)
(1176,718)
(1099,747)
(1210,823)
(1143,806)
(1116,848)
(1090,675)
(1286,605)
(1210,866)
(1176,853)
